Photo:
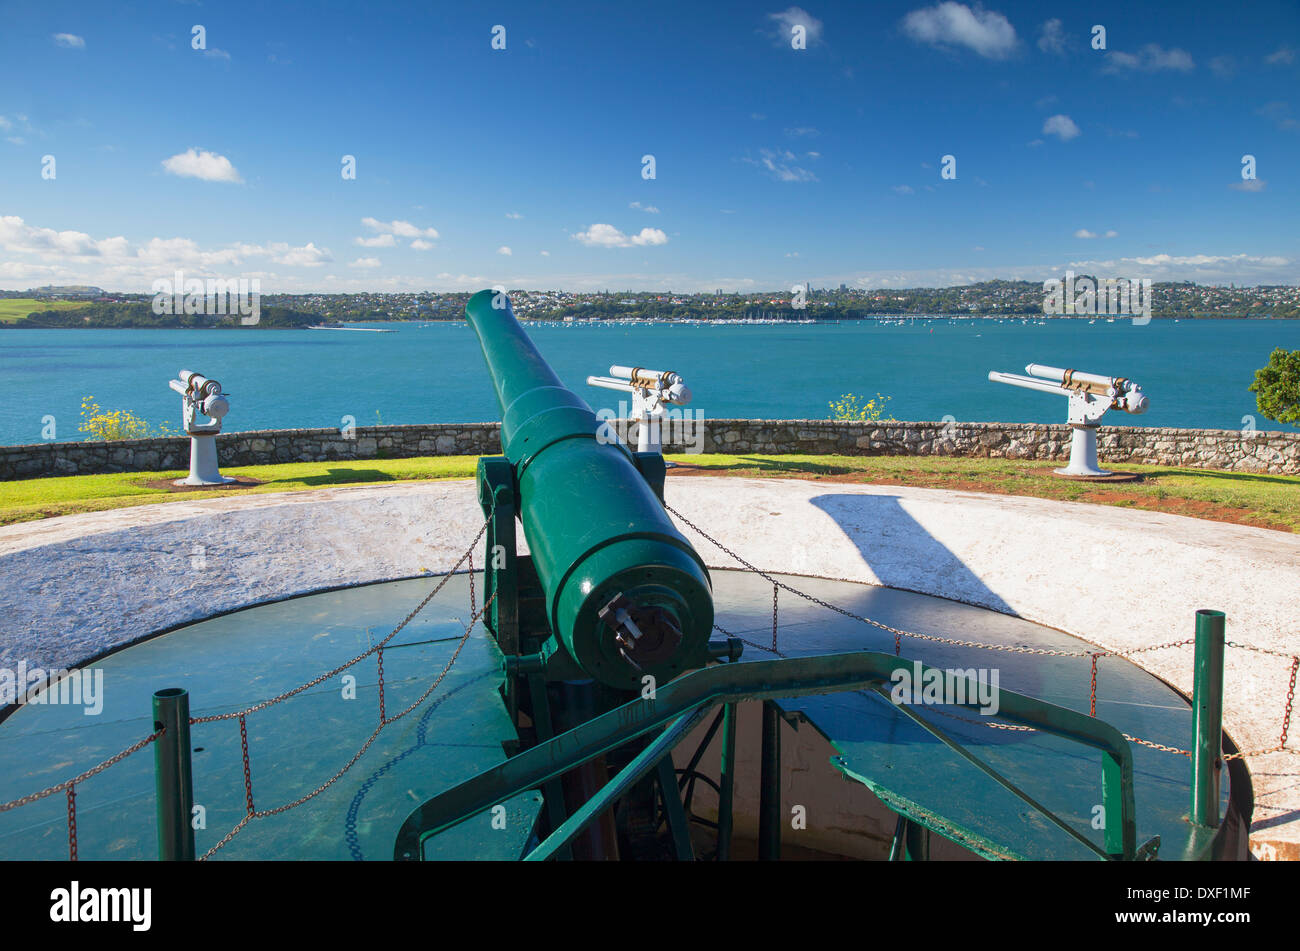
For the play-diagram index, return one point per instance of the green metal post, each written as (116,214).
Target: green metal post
(552,789)
(173,776)
(678,823)
(726,780)
(769,794)
(1207,713)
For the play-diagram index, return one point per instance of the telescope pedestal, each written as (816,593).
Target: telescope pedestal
(1083,457)
(203,463)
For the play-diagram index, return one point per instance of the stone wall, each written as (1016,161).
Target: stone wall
(1265,452)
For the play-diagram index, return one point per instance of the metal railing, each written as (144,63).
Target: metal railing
(679,705)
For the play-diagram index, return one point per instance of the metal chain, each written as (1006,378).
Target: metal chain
(1290,698)
(1261,650)
(774,645)
(1092,693)
(469,628)
(355,660)
(72,823)
(1157,746)
(897,632)
(67,786)
(248,775)
(67,783)
(1094,656)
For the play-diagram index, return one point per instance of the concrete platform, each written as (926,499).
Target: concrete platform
(77,586)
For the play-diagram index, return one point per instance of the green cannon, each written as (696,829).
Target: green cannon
(625,593)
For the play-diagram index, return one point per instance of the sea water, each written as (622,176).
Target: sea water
(1196,373)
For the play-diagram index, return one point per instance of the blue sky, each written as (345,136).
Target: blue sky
(772,164)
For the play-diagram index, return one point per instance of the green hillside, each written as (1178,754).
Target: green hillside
(14,309)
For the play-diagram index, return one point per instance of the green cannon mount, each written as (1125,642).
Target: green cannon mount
(547,692)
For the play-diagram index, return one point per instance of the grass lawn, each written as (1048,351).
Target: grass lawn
(14,309)
(29,499)
(1263,500)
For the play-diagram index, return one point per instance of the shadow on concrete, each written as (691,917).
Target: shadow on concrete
(340,477)
(902,554)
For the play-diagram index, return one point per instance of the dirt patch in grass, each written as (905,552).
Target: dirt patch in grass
(169,485)
(1055,489)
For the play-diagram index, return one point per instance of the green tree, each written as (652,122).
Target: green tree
(1277,387)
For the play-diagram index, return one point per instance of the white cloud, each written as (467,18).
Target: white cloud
(307,256)
(513,214)
(788,19)
(1249,185)
(648,209)
(986,32)
(419,244)
(504,250)
(904,189)
(1285,55)
(545,254)
(1112,234)
(215,53)
(403,229)
(1223,66)
(1084,233)
(378,241)
(366,263)
(1152,58)
(778,162)
(1061,126)
(208,166)
(801,131)
(69,41)
(1052,38)
(607,236)
(17,236)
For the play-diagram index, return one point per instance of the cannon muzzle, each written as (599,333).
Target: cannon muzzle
(626,593)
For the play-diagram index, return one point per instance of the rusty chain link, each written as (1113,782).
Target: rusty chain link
(99,768)
(248,775)
(72,822)
(774,645)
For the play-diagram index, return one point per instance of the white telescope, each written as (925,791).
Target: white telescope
(1091,395)
(201,396)
(651,391)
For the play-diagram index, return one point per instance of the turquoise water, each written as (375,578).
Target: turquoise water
(1196,373)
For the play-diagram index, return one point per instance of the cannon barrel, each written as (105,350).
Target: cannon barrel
(625,591)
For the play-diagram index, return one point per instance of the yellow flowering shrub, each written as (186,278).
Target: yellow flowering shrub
(115,424)
(849,406)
